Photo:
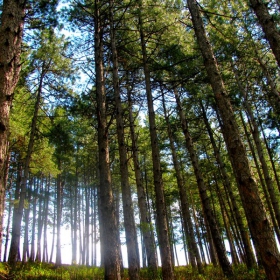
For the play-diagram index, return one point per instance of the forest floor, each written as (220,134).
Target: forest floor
(45,271)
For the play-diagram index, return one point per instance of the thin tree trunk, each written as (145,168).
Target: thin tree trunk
(34,219)
(207,208)
(18,211)
(256,136)
(53,236)
(40,223)
(249,255)
(25,249)
(248,189)
(184,238)
(80,233)
(3,194)
(269,154)
(199,238)
(94,223)
(129,220)
(87,224)
(234,256)
(185,207)
(74,222)
(262,181)
(161,213)
(145,222)
(46,217)
(109,230)
(58,216)
(7,229)
(117,207)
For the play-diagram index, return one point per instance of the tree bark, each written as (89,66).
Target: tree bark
(11,31)
(268,26)
(129,219)
(249,255)
(234,256)
(270,154)
(59,188)
(7,229)
(74,212)
(34,218)
(25,249)
(261,179)
(206,205)
(161,213)
(248,189)
(256,136)
(109,230)
(46,217)
(145,222)
(185,207)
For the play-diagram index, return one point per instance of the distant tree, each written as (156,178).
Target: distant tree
(195,259)
(46,65)
(205,200)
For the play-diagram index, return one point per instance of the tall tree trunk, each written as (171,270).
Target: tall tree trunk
(3,194)
(11,30)
(261,179)
(7,229)
(256,136)
(16,199)
(199,237)
(248,189)
(25,249)
(40,222)
(117,207)
(145,222)
(74,214)
(206,205)
(268,26)
(161,213)
(94,223)
(270,154)
(128,213)
(34,218)
(109,230)
(45,219)
(249,255)
(80,226)
(234,256)
(87,224)
(59,188)
(185,207)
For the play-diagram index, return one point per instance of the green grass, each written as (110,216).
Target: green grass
(46,271)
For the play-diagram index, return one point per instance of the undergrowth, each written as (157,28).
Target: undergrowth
(46,271)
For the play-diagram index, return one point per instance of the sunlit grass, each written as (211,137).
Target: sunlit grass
(46,271)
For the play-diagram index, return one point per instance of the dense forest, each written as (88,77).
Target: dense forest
(143,124)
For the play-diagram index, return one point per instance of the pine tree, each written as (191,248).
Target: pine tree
(258,221)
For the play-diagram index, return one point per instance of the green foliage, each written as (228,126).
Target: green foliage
(75,272)
(50,271)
